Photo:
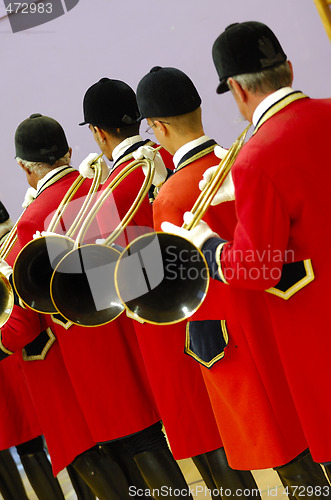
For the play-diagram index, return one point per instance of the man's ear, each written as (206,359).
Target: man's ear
(99,134)
(26,170)
(162,127)
(237,89)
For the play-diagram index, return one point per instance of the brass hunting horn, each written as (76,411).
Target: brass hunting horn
(6,290)
(162,278)
(36,262)
(82,285)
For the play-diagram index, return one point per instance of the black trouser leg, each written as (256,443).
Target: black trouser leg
(103,474)
(156,463)
(201,463)
(11,485)
(82,490)
(39,470)
(235,483)
(304,476)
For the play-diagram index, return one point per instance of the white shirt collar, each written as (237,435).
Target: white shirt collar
(49,174)
(120,149)
(187,147)
(269,101)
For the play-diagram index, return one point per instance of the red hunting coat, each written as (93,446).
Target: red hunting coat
(252,404)
(104,363)
(283,187)
(176,380)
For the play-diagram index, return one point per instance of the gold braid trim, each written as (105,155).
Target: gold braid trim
(55,178)
(42,355)
(308,278)
(278,106)
(128,157)
(197,156)
(207,364)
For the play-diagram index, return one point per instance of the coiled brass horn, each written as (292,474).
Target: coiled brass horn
(162,278)
(82,285)
(34,265)
(6,290)
(6,299)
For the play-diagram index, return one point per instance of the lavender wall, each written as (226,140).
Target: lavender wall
(47,69)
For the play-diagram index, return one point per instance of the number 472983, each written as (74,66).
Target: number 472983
(308,491)
(29,8)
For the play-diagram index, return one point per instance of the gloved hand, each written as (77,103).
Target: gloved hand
(133,316)
(86,169)
(220,152)
(5,268)
(198,235)
(29,197)
(39,234)
(226,191)
(148,152)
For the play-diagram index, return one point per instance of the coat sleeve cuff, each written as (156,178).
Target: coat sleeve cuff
(212,250)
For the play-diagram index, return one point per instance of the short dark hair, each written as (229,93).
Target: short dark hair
(121,132)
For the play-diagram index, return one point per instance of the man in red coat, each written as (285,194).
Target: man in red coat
(282,209)
(256,431)
(19,423)
(191,428)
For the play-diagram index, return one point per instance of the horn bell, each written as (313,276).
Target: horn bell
(6,299)
(162,278)
(33,270)
(82,286)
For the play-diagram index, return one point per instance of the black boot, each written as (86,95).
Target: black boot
(39,472)
(304,476)
(162,474)
(201,463)
(11,485)
(82,490)
(125,459)
(231,480)
(103,474)
(287,488)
